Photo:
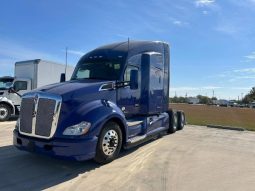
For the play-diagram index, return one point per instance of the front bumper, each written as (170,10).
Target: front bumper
(71,149)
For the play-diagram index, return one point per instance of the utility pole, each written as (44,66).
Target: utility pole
(66,59)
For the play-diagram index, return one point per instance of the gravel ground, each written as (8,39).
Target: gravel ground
(195,159)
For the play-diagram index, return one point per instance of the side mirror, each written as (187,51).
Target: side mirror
(62,77)
(133,79)
(11,90)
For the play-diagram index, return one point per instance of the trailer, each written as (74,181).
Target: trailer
(29,75)
(118,97)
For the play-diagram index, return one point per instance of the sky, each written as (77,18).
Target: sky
(212,42)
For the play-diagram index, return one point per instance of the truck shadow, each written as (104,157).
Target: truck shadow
(25,171)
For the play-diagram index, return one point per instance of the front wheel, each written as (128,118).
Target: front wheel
(109,143)
(5,112)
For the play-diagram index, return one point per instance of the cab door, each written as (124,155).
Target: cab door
(129,99)
(21,87)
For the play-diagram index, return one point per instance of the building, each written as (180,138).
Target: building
(221,102)
(252,105)
(193,100)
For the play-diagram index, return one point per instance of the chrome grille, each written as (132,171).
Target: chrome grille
(26,115)
(39,114)
(45,113)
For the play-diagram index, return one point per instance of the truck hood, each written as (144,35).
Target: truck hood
(78,90)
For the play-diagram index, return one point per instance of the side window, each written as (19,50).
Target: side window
(83,73)
(134,63)
(157,60)
(127,72)
(20,85)
(156,72)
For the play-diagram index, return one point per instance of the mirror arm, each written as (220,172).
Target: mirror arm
(11,90)
(122,84)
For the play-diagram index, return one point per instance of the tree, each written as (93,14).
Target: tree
(178,100)
(250,97)
(204,99)
(214,98)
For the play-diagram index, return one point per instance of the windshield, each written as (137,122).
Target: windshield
(97,69)
(5,83)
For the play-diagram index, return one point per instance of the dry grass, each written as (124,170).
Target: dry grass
(204,115)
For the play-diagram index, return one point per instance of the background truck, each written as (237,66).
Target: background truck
(29,75)
(118,97)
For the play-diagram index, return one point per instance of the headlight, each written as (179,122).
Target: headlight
(79,129)
(17,124)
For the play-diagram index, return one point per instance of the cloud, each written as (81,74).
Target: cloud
(76,52)
(251,56)
(239,74)
(205,12)
(204,3)
(188,88)
(6,67)
(223,92)
(245,70)
(241,88)
(11,52)
(228,29)
(15,51)
(179,23)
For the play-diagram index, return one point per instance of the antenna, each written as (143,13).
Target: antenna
(66,59)
(128,44)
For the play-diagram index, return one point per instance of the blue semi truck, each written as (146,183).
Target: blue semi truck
(118,97)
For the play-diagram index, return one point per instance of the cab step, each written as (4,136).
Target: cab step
(136,139)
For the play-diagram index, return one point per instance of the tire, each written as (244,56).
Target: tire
(181,120)
(173,121)
(5,112)
(109,143)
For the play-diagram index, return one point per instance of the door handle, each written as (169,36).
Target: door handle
(151,121)
(137,105)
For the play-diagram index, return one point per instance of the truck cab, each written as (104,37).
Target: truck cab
(118,97)
(29,75)
(10,102)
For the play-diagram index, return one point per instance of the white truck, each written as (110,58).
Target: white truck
(29,75)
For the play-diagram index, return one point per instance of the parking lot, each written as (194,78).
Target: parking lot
(197,158)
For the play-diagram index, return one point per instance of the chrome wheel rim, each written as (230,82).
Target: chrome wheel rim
(175,122)
(3,113)
(110,142)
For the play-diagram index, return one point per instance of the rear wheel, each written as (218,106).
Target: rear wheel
(5,112)
(173,121)
(109,143)
(181,120)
